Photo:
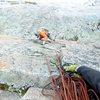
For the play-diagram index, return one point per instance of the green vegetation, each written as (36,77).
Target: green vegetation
(75,38)
(20,91)
(4,87)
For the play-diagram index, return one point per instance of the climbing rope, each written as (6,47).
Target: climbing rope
(67,87)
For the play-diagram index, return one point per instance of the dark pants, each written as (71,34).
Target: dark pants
(91,76)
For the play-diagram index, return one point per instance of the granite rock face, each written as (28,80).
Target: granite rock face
(5,95)
(23,63)
(37,95)
(62,20)
(82,54)
(31,94)
(23,60)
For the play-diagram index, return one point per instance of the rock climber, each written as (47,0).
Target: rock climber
(44,35)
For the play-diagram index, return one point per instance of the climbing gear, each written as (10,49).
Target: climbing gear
(68,87)
(69,67)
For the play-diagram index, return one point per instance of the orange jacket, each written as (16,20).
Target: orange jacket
(43,35)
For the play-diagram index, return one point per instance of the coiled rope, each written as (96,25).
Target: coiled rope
(67,87)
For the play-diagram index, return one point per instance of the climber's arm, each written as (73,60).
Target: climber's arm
(49,36)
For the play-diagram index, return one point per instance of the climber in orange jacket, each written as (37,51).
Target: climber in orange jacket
(43,34)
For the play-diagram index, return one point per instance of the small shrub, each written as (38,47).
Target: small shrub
(75,38)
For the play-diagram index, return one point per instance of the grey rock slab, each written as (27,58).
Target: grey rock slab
(63,21)
(6,95)
(23,63)
(36,94)
(82,54)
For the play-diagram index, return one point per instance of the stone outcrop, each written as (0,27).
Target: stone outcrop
(62,20)
(31,94)
(23,61)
